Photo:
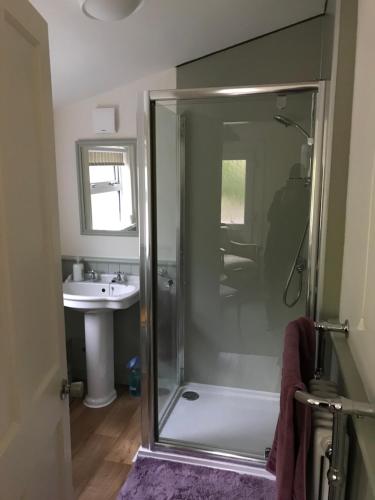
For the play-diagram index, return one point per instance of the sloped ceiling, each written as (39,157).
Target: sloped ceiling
(89,57)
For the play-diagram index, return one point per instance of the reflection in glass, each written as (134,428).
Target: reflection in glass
(233,185)
(166,158)
(231,215)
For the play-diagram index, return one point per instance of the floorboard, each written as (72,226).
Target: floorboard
(104,442)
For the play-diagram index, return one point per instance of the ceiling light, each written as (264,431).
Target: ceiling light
(109,10)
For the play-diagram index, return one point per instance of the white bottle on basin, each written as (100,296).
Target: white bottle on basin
(78,274)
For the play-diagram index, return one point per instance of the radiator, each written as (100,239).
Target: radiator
(322,424)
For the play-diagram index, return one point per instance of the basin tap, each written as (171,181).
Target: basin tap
(120,277)
(92,275)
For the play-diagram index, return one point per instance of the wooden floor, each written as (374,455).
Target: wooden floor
(104,442)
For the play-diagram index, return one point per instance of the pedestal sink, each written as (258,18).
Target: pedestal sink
(98,299)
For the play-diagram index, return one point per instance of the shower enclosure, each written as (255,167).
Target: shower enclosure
(230,212)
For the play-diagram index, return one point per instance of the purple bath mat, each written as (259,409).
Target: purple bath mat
(152,479)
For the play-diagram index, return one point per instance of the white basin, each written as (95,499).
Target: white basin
(98,300)
(100,294)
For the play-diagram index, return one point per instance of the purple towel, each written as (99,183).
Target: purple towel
(288,457)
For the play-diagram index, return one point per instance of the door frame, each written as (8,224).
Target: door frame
(146,185)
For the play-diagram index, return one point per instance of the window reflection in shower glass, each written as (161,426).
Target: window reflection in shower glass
(233,189)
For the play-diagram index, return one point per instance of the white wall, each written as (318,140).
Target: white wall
(358,285)
(73,122)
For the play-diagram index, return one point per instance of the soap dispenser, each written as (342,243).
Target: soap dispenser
(78,274)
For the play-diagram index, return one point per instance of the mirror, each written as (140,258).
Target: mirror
(107,186)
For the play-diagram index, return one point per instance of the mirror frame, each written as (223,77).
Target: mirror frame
(83,215)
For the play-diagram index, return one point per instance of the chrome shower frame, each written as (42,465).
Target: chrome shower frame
(146,181)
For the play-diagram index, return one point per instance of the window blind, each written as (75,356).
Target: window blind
(106,157)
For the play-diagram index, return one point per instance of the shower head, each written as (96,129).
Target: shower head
(287,122)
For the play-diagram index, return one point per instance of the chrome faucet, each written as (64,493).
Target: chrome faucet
(92,275)
(120,277)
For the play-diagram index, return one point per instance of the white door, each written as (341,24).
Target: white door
(358,283)
(34,422)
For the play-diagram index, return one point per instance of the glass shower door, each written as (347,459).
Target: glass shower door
(232,187)
(167,258)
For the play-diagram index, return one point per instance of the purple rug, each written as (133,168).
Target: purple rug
(152,479)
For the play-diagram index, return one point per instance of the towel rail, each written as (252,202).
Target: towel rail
(323,327)
(327,326)
(341,408)
(343,405)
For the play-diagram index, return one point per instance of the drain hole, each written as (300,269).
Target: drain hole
(190,395)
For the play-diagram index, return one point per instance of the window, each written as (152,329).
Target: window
(233,191)
(107,184)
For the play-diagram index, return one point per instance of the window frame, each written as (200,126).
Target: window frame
(85,187)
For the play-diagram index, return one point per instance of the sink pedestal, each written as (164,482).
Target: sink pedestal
(98,300)
(99,358)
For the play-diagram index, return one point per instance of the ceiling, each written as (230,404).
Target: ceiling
(89,57)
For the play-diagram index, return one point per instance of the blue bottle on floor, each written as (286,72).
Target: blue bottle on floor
(134,365)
